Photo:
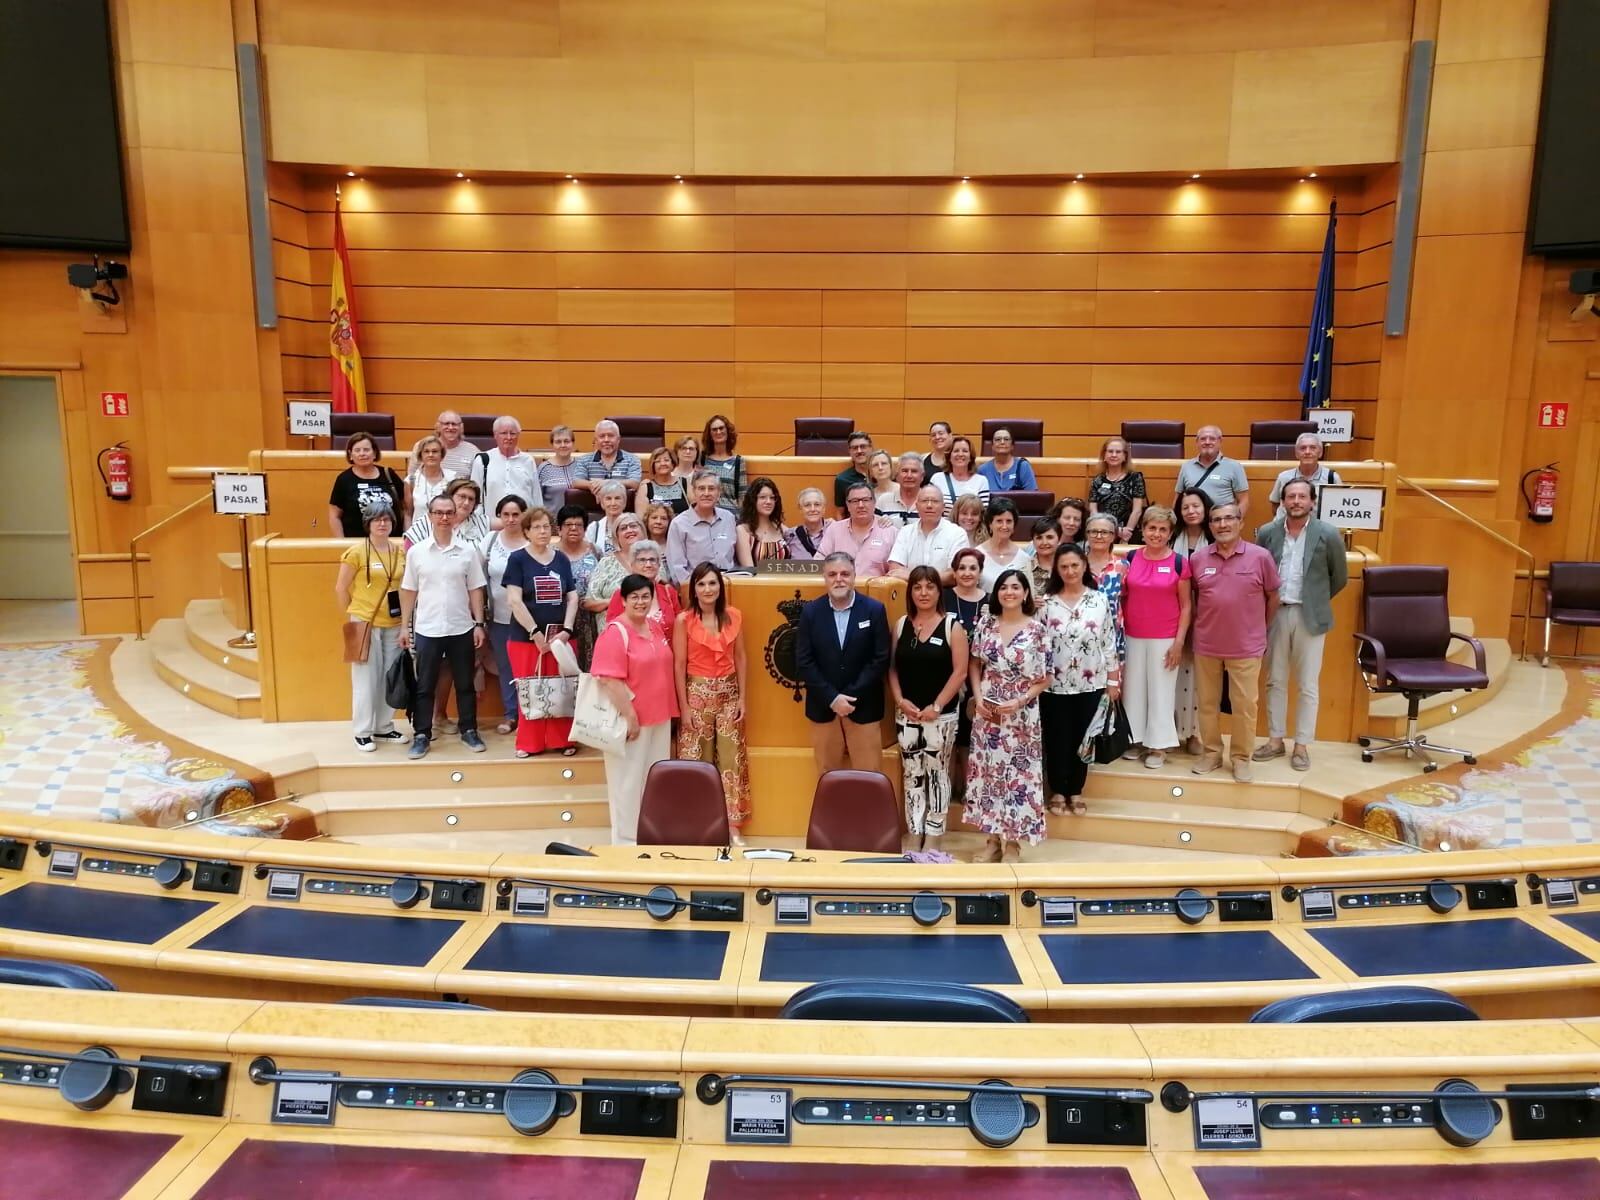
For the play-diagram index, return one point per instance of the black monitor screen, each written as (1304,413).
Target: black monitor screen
(1565,217)
(60,157)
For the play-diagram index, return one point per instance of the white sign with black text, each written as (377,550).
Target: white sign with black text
(1346,506)
(239,494)
(1335,424)
(310,418)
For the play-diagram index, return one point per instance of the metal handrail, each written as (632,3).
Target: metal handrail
(133,557)
(1533,563)
(1382,837)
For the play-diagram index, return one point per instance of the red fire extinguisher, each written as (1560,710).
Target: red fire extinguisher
(1542,502)
(116,471)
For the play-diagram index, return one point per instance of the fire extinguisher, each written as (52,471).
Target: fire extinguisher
(1542,503)
(115,465)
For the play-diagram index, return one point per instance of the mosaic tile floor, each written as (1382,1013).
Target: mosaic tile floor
(64,752)
(1543,790)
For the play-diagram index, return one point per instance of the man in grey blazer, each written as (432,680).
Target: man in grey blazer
(1311,563)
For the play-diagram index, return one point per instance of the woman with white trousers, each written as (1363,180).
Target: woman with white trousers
(1156,607)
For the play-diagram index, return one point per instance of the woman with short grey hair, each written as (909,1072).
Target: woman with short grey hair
(647,558)
(607,577)
(612,497)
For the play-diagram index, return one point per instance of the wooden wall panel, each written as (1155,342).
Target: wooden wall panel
(1159,299)
(834,88)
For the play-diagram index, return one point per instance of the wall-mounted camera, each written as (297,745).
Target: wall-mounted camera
(91,276)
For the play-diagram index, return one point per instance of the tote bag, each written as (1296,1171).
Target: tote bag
(596,723)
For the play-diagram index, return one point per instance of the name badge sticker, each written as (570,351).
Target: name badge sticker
(935,641)
(1163,570)
(1210,571)
(863,624)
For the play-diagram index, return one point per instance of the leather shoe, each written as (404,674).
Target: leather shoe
(1242,772)
(1207,764)
(1300,760)
(1266,752)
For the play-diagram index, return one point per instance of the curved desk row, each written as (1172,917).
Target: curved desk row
(105,1096)
(187,912)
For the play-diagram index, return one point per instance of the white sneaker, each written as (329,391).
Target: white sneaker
(365,745)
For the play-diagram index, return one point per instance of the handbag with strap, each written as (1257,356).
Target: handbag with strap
(357,641)
(596,722)
(550,697)
(1109,735)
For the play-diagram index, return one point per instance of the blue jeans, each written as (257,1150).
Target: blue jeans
(499,634)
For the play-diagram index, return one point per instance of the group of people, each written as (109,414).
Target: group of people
(1005,660)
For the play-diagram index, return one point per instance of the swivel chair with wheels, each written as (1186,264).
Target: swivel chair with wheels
(1406,614)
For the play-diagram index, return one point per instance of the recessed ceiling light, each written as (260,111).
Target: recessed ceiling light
(570,177)
(350,174)
(966,178)
(679,178)
(461,174)
(1312,175)
(1196,175)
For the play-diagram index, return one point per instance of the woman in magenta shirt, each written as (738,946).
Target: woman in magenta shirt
(633,663)
(1155,614)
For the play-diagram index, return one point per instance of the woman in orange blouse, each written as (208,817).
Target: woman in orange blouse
(710,671)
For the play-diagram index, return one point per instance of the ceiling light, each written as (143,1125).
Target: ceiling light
(461,174)
(1196,175)
(966,178)
(679,178)
(1313,175)
(350,174)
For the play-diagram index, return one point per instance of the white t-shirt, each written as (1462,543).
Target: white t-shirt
(442,576)
(952,489)
(914,548)
(992,568)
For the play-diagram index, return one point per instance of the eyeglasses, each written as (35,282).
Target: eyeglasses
(645,558)
(859,500)
(1099,533)
(1224,520)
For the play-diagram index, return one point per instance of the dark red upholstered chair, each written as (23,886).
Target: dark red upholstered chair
(1405,611)
(1571,597)
(478,428)
(854,810)
(641,433)
(1154,439)
(1274,440)
(379,425)
(1027,436)
(1031,508)
(683,805)
(823,437)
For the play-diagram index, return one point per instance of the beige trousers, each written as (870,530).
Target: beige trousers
(625,772)
(1244,683)
(839,739)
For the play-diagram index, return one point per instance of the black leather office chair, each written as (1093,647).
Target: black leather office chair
(1027,435)
(1154,439)
(641,434)
(379,425)
(1571,597)
(478,428)
(1405,612)
(412,1002)
(823,437)
(1398,1003)
(901,1000)
(1274,440)
(31,972)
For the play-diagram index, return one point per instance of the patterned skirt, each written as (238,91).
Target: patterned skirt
(709,732)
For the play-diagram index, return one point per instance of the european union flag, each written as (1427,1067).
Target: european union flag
(1316,375)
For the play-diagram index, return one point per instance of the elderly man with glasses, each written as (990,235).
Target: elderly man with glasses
(861,535)
(1235,598)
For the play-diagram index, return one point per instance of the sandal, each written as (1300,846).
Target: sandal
(1057,806)
(505,727)
(990,853)
(524,753)
(569,752)
(1078,807)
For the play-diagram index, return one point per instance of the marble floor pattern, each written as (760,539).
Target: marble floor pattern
(66,751)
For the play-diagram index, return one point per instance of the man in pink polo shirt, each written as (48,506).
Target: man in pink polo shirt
(1235,595)
(862,536)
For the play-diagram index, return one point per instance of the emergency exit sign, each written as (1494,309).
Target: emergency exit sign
(1553,415)
(115,404)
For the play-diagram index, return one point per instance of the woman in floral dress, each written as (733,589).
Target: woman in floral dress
(1005,769)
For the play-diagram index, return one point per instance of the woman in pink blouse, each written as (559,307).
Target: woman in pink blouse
(633,663)
(1155,616)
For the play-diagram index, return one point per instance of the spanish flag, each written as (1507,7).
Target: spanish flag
(347,384)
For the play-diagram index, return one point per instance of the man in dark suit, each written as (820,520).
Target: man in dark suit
(843,653)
